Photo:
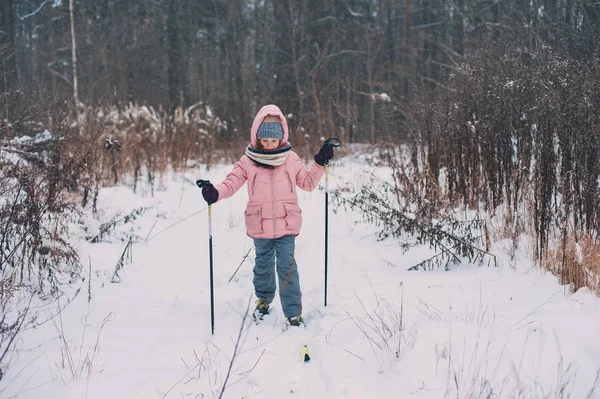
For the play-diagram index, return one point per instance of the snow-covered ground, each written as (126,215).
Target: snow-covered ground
(472,332)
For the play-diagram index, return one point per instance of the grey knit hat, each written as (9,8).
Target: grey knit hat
(270,130)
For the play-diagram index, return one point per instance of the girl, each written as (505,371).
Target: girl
(273,217)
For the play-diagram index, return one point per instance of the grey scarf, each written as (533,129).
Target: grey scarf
(270,158)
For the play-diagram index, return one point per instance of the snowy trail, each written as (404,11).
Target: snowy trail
(516,333)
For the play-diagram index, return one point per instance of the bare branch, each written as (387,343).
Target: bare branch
(31,14)
(235,350)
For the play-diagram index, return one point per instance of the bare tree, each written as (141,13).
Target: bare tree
(74,64)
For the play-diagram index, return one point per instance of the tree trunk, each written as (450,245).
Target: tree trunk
(234,48)
(174,62)
(370,63)
(408,47)
(296,63)
(74,63)
(9,66)
(7,46)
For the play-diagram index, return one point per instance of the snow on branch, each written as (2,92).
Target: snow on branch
(106,228)
(56,3)
(455,241)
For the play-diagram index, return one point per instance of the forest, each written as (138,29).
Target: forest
(484,105)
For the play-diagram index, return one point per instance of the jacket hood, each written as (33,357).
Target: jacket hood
(268,110)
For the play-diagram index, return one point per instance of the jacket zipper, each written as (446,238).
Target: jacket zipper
(290,180)
(273,202)
(254,183)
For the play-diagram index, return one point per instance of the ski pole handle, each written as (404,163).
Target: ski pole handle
(201,183)
(333,141)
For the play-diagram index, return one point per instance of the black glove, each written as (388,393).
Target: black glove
(324,154)
(210,193)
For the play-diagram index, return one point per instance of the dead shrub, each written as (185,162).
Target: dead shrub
(576,262)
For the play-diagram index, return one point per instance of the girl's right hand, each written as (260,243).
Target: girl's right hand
(210,193)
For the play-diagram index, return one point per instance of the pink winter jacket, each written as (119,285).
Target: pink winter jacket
(272,210)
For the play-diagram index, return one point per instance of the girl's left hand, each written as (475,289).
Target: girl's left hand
(324,154)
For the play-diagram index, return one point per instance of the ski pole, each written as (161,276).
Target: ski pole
(201,184)
(334,142)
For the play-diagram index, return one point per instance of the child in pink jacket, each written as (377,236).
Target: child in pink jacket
(273,217)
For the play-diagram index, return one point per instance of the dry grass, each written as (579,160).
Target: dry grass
(576,262)
(79,358)
(384,329)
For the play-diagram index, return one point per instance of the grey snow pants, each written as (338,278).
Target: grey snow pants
(287,271)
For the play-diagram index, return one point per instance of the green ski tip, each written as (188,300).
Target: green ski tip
(304,353)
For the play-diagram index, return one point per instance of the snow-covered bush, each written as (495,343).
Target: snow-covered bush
(517,139)
(36,257)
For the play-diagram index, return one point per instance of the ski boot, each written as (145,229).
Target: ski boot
(295,321)
(262,308)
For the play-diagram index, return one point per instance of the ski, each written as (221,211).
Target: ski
(258,318)
(304,353)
